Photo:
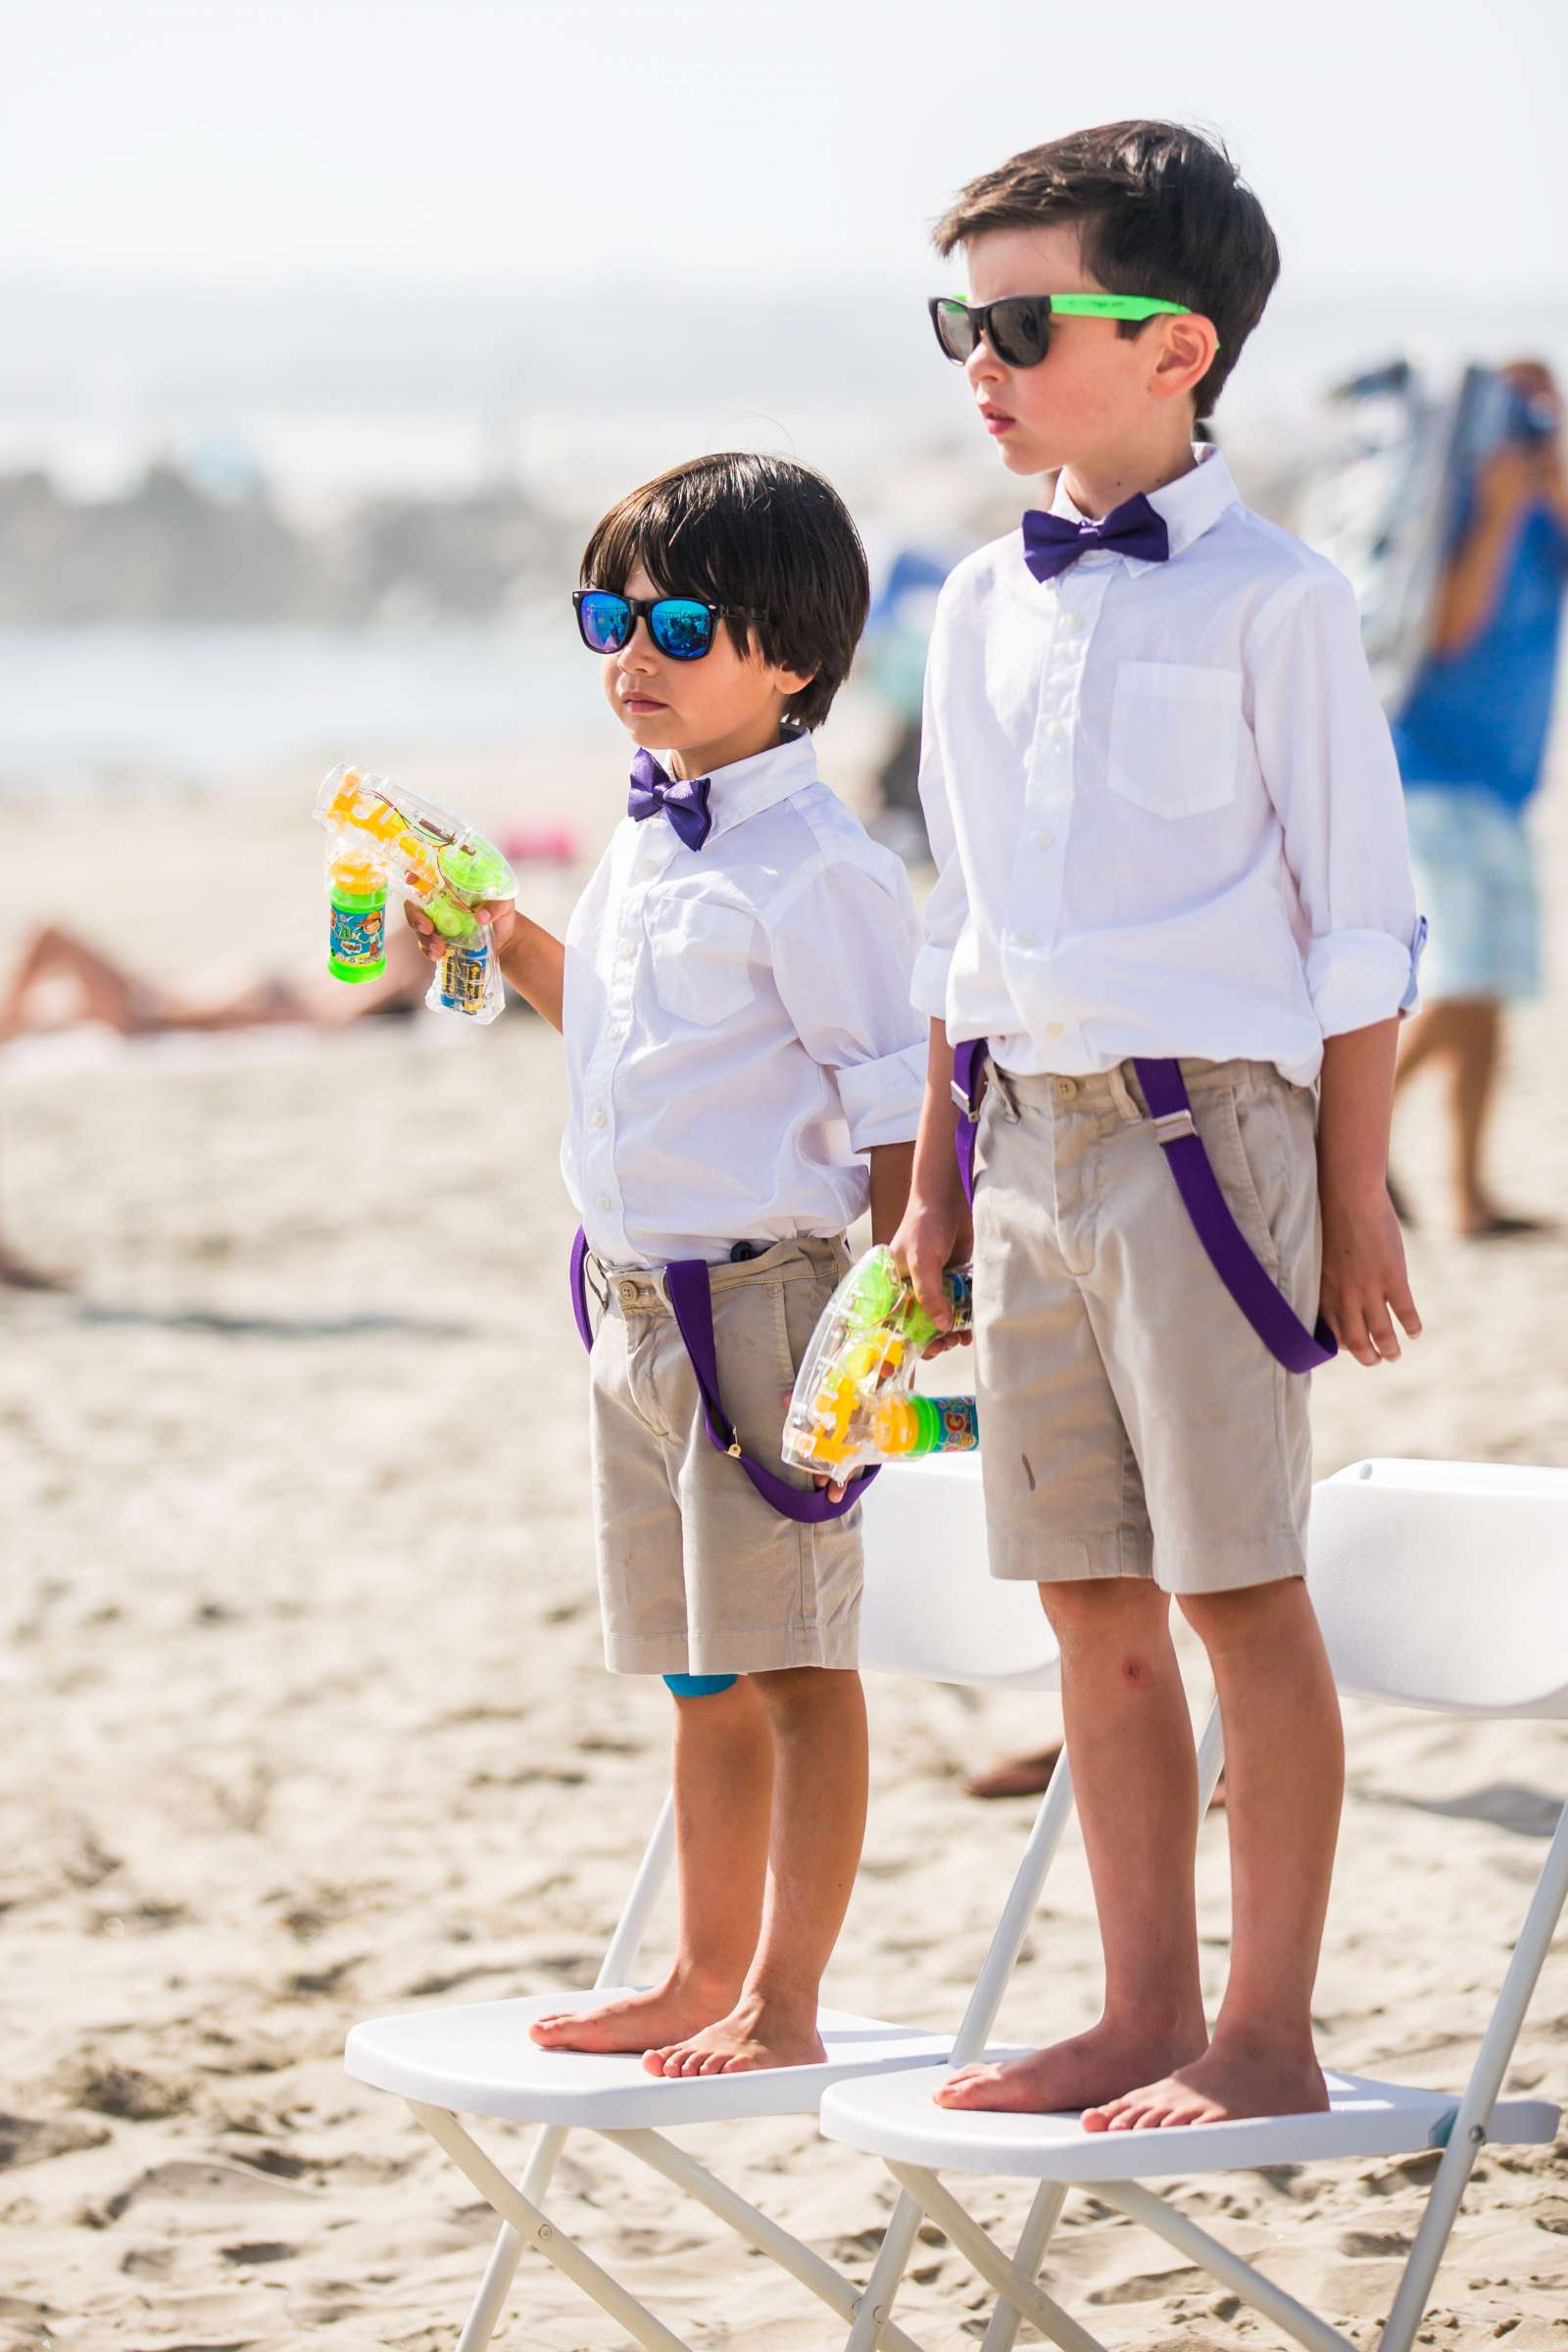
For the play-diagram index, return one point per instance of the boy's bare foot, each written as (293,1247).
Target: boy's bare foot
(755,2034)
(682,2005)
(1232,2078)
(1075,2073)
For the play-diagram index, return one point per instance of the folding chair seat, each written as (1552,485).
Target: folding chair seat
(1439,1585)
(930,1609)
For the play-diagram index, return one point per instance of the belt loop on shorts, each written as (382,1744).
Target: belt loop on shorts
(1006,1092)
(1128,1107)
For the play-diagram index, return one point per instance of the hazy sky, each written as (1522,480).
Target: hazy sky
(1408,143)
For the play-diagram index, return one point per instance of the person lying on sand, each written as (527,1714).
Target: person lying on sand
(63,979)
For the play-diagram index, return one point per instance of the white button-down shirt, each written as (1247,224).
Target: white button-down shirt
(738,1023)
(1162,801)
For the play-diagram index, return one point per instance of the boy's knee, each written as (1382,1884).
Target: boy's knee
(1248,1612)
(1111,1623)
(789,1690)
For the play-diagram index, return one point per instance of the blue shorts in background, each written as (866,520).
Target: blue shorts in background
(1476,885)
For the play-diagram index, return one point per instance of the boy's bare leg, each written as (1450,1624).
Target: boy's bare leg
(1130,1744)
(817,1719)
(1284,1756)
(723,1775)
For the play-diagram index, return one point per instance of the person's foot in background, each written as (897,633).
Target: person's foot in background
(17,1274)
(1029,1775)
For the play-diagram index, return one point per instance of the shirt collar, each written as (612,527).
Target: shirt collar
(1189,506)
(749,786)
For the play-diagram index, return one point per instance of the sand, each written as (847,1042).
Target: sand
(305,1717)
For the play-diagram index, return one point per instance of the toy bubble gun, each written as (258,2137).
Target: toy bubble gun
(855,1402)
(382,844)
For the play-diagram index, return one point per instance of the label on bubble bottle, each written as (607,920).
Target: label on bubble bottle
(359,938)
(464,976)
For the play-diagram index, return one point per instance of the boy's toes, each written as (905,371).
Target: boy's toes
(966,2088)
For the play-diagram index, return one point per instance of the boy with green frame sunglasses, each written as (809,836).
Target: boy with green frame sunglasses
(1018,329)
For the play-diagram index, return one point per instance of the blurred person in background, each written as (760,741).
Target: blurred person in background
(1471,742)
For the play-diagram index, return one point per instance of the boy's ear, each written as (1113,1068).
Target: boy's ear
(792,681)
(1187,347)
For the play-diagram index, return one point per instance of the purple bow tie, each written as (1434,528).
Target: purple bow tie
(1051,542)
(684,801)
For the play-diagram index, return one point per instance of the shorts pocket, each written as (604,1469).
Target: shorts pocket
(700,958)
(1243,1137)
(1175,736)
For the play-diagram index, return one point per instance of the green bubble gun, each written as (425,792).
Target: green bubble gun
(381,844)
(855,1402)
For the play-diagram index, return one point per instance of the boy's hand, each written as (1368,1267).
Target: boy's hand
(1364,1277)
(928,1240)
(499,916)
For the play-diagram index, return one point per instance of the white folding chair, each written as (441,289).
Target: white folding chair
(1440,1586)
(931,1609)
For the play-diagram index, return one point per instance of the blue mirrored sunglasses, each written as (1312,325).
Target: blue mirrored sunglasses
(680,627)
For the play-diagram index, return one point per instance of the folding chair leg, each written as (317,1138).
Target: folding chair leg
(898,2242)
(506,2254)
(542,2234)
(1143,2205)
(620,1958)
(873,2321)
(758,2229)
(964,2231)
(1468,2132)
(1044,2214)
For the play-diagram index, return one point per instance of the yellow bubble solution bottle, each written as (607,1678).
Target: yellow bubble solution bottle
(357,893)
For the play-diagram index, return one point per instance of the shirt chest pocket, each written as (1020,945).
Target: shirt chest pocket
(701,955)
(1175,736)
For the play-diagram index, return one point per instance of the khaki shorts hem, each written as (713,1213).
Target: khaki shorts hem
(762,1649)
(1232,1567)
(1024,1560)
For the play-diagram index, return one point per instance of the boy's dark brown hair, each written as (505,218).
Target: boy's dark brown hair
(762,532)
(1161,211)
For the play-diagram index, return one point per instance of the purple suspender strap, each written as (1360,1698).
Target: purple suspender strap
(691,1300)
(1266,1308)
(580,1290)
(968,1070)
(1269,1313)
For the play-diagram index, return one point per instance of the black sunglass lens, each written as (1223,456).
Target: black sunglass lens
(681,627)
(604,622)
(1020,330)
(955,331)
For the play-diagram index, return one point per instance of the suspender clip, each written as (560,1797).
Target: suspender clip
(1173,1127)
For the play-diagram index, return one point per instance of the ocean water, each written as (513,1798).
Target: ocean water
(200,705)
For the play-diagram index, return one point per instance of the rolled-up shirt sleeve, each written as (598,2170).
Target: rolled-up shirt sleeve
(947,908)
(843,945)
(1328,761)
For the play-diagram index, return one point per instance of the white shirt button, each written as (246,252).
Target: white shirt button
(603,1202)
(597,1119)
(628,948)
(1054,1029)
(1045,840)
(1055,730)
(615,1032)
(1072,620)
(1026,939)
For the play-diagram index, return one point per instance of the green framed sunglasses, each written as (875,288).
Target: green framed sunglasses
(1018,328)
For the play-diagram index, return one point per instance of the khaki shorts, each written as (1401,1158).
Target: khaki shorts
(697,1574)
(1134,1424)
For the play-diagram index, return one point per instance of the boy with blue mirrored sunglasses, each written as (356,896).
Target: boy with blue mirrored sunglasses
(745,1070)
